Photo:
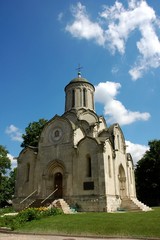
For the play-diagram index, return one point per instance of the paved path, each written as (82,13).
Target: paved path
(11,236)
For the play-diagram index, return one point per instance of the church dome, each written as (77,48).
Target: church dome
(79,79)
(79,94)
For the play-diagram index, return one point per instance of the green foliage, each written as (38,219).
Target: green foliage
(7,188)
(6,182)
(33,131)
(6,210)
(147,174)
(5,162)
(28,215)
(126,224)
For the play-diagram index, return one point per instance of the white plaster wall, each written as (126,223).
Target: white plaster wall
(109,170)
(78,135)
(113,203)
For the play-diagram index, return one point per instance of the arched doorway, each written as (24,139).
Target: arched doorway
(122,182)
(58,183)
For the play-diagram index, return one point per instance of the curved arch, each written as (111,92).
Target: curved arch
(86,138)
(122,182)
(89,116)
(54,178)
(55,122)
(53,167)
(120,138)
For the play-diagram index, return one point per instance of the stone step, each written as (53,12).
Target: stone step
(39,203)
(133,204)
(141,205)
(58,203)
(62,204)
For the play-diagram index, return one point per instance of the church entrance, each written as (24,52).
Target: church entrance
(58,183)
(122,182)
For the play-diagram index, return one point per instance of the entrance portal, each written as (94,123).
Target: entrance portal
(122,182)
(58,182)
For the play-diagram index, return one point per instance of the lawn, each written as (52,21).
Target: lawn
(122,224)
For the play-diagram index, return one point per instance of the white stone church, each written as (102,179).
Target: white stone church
(79,159)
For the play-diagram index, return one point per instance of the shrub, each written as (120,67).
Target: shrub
(28,215)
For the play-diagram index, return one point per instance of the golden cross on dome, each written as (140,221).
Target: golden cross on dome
(79,70)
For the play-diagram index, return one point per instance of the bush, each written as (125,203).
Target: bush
(8,221)
(53,211)
(28,215)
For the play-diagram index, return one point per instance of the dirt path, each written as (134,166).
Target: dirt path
(11,236)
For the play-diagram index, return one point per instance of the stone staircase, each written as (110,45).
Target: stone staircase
(133,204)
(50,202)
(62,204)
(39,203)
(58,203)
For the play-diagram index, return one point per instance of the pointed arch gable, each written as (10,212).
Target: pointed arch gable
(89,140)
(53,167)
(56,130)
(72,117)
(89,116)
(130,159)
(117,137)
(26,154)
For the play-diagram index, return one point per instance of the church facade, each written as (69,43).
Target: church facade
(79,158)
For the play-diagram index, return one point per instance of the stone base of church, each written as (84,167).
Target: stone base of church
(113,203)
(94,203)
(87,203)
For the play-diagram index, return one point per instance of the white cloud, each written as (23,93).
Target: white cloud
(60,16)
(83,27)
(115,25)
(115,70)
(136,150)
(13,161)
(14,133)
(105,93)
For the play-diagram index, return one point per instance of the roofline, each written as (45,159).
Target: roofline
(71,83)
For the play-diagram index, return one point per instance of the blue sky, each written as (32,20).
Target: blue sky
(117,43)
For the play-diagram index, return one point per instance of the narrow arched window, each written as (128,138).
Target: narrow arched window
(89,167)
(109,166)
(130,175)
(84,97)
(118,141)
(92,101)
(73,98)
(28,172)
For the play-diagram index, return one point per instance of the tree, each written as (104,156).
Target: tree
(5,162)
(7,188)
(7,180)
(147,175)
(33,131)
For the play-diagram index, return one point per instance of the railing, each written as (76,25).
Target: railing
(49,195)
(28,197)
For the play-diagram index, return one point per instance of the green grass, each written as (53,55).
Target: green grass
(6,210)
(137,224)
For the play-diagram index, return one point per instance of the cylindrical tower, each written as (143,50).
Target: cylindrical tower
(79,94)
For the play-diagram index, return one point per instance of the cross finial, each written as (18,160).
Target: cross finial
(79,70)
